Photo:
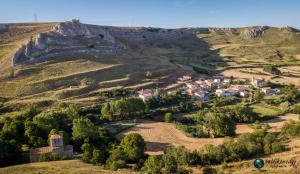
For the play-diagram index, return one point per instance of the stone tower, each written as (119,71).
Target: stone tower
(56,140)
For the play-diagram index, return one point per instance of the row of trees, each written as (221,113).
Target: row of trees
(124,108)
(245,146)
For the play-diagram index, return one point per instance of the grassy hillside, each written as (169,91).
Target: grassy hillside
(59,167)
(79,78)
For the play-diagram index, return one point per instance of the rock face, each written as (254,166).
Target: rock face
(254,32)
(73,37)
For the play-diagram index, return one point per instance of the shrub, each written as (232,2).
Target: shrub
(44,157)
(272,69)
(133,146)
(55,156)
(117,159)
(153,165)
(148,74)
(169,117)
(98,157)
(291,129)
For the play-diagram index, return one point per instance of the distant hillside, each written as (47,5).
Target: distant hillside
(71,62)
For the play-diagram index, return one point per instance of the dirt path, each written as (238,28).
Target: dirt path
(160,135)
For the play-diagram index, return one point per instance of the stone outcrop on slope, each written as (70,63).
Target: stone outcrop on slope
(73,37)
(254,32)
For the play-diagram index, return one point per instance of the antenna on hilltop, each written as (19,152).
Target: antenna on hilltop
(35,18)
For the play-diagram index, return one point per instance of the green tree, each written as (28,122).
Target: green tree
(258,96)
(218,124)
(10,152)
(168,117)
(87,149)
(44,157)
(83,128)
(117,159)
(148,74)
(55,156)
(98,157)
(134,146)
(153,165)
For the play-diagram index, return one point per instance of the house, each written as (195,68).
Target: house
(244,94)
(209,83)
(227,81)
(224,93)
(268,91)
(145,94)
(202,84)
(56,145)
(258,82)
(185,78)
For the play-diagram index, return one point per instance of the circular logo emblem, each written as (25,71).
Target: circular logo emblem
(258,163)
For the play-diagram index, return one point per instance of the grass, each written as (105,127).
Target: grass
(265,110)
(59,167)
(51,80)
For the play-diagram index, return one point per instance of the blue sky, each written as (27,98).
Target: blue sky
(156,13)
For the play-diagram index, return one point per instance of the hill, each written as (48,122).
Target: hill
(72,62)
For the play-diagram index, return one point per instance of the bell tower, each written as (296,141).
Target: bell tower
(56,140)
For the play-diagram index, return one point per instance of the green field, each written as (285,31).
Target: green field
(266,110)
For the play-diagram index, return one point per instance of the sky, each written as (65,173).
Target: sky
(156,13)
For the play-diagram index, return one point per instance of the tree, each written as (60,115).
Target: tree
(218,124)
(148,74)
(52,120)
(44,157)
(10,152)
(35,135)
(98,157)
(117,159)
(87,149)
(153,165)
(168,117)
(258,96)
(272,69)
(241,113)
(83,128)
(291,129)
(73,111)
(134,146)
(236,150)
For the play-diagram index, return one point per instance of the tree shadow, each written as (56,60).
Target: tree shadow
(157,146)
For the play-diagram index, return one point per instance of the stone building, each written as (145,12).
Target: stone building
(56,145)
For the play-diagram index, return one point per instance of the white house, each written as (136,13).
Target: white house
(258,82)
(224,93)
(145,94)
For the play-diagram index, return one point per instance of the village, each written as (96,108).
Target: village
(220,86)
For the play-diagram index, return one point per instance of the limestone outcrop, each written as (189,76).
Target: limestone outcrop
(73,38)
(254,32)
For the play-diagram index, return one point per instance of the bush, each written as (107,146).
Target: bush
(291,129)
(153,165)
(44,157)
(169,117)
(117,159)
(133,146)
(55,156)
(272,70)
(98,157)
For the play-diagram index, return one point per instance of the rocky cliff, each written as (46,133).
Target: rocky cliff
(73,37)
